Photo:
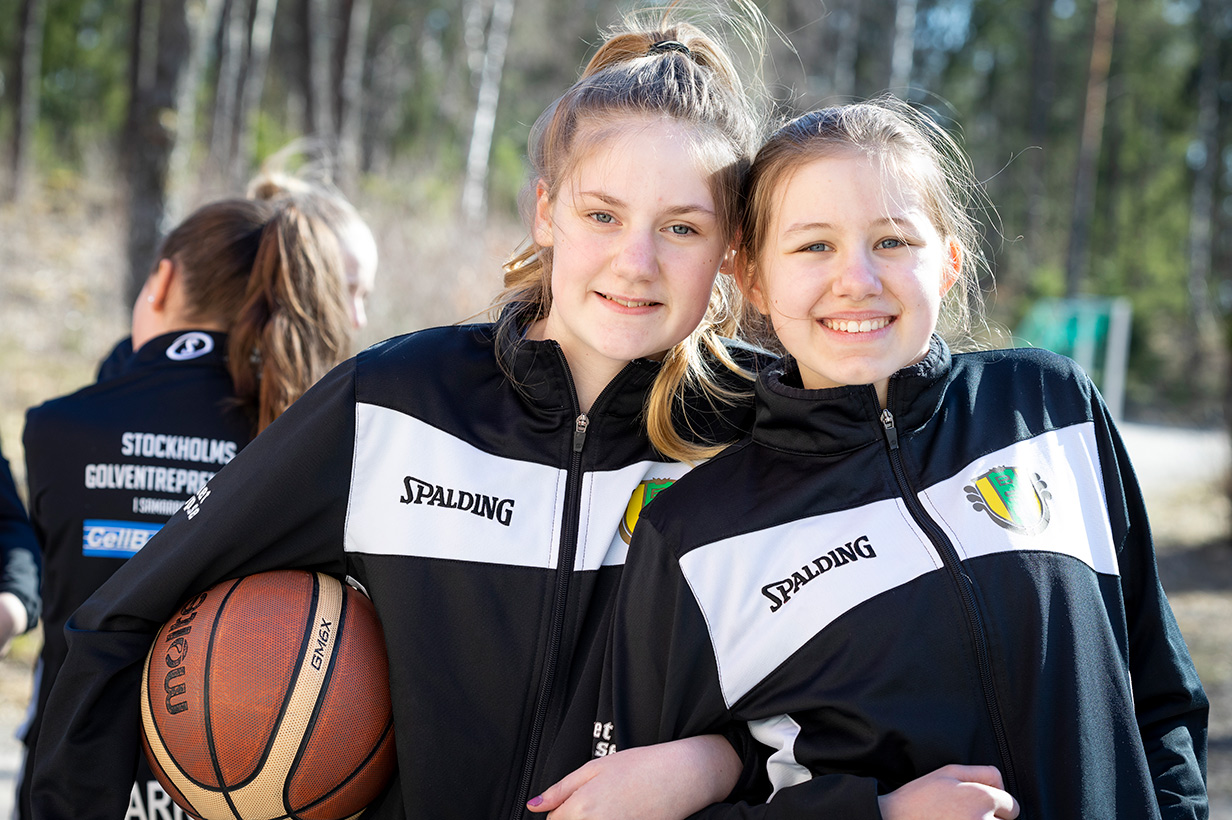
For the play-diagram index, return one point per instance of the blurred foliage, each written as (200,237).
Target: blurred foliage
(972,68)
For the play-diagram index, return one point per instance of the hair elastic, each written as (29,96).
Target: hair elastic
(669,45)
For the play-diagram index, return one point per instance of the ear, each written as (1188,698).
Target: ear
(727,264)
(542,231)
(749,283)
(952,267)
(158,286)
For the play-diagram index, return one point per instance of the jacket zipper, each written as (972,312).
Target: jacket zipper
(949,556)
(564,573)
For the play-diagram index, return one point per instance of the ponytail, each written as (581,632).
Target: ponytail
(293,326)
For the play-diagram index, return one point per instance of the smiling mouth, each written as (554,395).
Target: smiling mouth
(857,325)
(627,303)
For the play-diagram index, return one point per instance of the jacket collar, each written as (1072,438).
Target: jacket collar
(181,347)
(541,374)
(837,419)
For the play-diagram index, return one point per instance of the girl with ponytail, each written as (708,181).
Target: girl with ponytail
(242,312)
(481,482)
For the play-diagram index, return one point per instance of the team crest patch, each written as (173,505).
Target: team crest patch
(643,494)
(1016,500)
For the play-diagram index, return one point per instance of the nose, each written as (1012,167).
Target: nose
(637,256)
(857,278)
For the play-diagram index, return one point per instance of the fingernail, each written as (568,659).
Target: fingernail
(535,801)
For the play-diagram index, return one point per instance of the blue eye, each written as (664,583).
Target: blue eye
(891,243)
(681,230)
(602,217)
(816,247)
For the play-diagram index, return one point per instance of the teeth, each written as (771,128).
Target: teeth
(853,326)
(626,304)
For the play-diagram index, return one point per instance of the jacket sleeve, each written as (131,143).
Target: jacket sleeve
(665,684)
(280,503)
(1169,702)
(20,557)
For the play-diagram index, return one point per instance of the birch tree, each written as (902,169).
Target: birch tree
(474,188)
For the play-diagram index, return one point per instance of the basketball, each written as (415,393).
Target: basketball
(267,697)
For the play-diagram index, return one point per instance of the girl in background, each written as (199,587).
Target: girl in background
(605,374)
(355,240)
(323,205)
(243,311)
(925,581)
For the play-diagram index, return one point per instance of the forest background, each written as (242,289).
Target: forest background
(1102,130)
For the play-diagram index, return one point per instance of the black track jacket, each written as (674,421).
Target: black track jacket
(485,516)
(107,466)
(967,577)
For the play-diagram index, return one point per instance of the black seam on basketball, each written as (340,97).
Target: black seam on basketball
(339,632)
(389,727)
(289,689)
(223,788)
(158,728)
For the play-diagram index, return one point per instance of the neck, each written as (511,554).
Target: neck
(590,377)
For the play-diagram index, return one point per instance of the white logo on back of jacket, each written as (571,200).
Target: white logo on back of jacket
(192,345)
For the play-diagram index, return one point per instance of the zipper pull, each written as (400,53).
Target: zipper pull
(887,421)
(579,432)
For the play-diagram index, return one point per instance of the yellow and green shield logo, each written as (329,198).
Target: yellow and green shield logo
(1016,500)
(643,494)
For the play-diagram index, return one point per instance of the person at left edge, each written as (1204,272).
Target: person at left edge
(322,204)
(215,360)
(19,563)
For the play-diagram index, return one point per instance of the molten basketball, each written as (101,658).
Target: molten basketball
(267,697)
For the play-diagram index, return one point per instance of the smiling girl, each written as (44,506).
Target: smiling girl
(604,375)
(925,581)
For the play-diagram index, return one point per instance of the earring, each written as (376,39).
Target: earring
(150,299)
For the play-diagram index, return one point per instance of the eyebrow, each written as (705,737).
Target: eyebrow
(899,222)
(674,210)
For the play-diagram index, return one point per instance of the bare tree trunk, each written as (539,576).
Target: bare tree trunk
(1206,174)
(474,200)
(847,30)
(1040,103)
(204,18)
(351,90)
(153,110)
(903,55)
(230,71)
(27,71)
(392,78)
(252,84)
(1088,151)
(320,77)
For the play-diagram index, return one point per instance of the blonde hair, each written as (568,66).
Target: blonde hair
(911,146)
(672,69)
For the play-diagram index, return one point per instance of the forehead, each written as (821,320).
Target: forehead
(847,185)
(608,143)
